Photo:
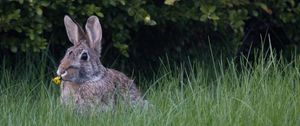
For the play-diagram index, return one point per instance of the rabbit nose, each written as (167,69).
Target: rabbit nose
(60,71)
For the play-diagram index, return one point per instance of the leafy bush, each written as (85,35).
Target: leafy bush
(31,25)
(28,25)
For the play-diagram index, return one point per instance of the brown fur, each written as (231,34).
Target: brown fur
(114,85)
(86,82)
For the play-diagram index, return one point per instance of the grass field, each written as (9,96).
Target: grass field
(194,93)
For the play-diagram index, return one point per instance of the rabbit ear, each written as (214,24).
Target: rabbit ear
(74,31)
(94,33)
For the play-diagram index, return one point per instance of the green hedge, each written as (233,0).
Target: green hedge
(30,25)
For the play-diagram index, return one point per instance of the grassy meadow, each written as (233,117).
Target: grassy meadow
(201,92)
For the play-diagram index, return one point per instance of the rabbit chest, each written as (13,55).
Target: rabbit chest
(68,90)
(88,94)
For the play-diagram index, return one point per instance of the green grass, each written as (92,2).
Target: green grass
(195,93)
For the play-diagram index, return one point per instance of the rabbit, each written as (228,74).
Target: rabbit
(86,83)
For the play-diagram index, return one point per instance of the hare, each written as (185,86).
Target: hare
(86,82)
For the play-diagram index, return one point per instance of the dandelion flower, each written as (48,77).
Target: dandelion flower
(56,80)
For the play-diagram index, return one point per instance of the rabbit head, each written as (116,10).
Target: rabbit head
(82,61)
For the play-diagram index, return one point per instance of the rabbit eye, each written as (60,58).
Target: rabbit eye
(70,52)
(84,56)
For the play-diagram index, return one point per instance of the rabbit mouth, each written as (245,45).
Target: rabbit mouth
(58,72)
(64,74)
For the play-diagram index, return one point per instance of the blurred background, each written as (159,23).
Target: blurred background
(137,33)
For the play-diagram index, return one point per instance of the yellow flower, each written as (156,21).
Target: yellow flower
(170,2)
(56,80)
(147,18)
